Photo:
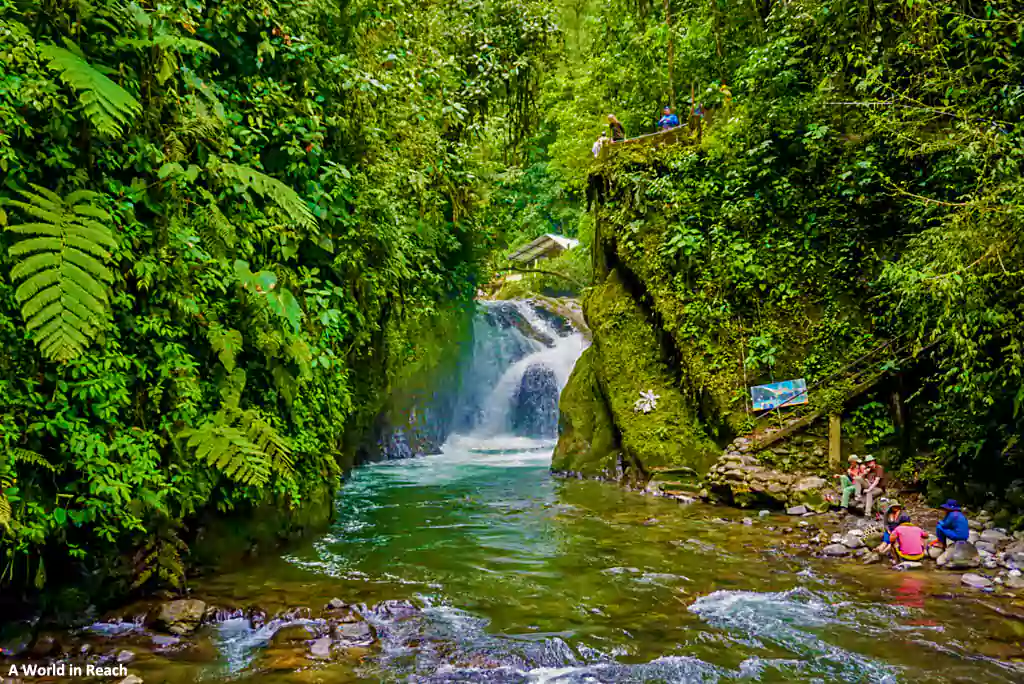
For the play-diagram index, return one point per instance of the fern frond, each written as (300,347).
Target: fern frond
(108,105)
(229,451)
(287,199)
(217,232)
(62,272)
(17,455)
(267,439)
(6,514)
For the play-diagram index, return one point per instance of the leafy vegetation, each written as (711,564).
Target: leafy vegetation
(227,225)
(856,191)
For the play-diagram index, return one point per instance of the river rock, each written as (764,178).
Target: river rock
(763,514)
(985,547)
(131,679)
(125,656)
(355,634)
(748,521)
(959,556)
(975,525)
(993,536)
(291,634)
(796,510)
(973,536)
(836,550)
(852,541)
(320,649)
(1014,554)
(906,565)
(182,616)
(1014,582)
(335,604)
(935,551)
(976,581)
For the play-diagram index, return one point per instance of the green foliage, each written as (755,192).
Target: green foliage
(62,270)
(249,209)
(108,106)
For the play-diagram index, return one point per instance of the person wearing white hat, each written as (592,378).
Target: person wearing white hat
(874,482)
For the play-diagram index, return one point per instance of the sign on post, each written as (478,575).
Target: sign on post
(773,395)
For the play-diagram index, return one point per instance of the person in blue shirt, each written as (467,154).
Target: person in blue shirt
(953,527)
(668,119)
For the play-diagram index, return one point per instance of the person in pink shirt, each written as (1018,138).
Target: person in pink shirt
(907,541)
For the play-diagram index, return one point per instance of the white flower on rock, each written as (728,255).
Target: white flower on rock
(647,402)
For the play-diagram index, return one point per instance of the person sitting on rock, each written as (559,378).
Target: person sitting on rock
(849,482)
(894,515)
(954,527)
(874,482)
(906,541)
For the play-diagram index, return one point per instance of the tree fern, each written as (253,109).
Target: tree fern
(264,436)
(108,105)
(17,455)
(287,199)
(62,270)
(229,450)
(6,515)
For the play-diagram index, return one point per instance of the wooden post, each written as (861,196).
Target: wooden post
(835,436)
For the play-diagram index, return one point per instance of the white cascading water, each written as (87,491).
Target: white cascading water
(555,361)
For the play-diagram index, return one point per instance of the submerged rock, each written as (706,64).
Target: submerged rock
(976,581)
(182,616)
(836,550)
(291,634)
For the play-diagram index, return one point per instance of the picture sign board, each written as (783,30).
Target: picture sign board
(786,393)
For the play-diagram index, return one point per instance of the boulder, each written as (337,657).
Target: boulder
(291,634)
(320,649)
(836,550)
(985,547)
(853,541)
(355,634)
(993,536)
(959,556)
(973,536)
(796,510)
(934,552)
(809,492)
(1015,582)
(976,581)
(182,616)
(125,656)
(535,405)
(763,514)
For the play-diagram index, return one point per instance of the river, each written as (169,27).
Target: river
(514,575)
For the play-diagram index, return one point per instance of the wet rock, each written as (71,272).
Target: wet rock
(748,521)
(935,551)
(973,536)
(796,510)
(836,550)
(763,514)
(535,404)
(124,657)
(993,536)
(182,616)
(292,634)
(976,525)
(355,634)
(976,581)
(959,556)
(906,565)
(320,649)
(162,641)
(396,609)
(810,492)
(852,541)
(1015,582)
(131,679)
(872,557)
(985,547)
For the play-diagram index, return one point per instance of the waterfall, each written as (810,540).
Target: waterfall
(522,359)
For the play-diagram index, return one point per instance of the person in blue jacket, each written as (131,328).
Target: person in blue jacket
(668,119)
(953,527)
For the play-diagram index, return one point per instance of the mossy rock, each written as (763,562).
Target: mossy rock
(813,499)
(628,361)
(587,441)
